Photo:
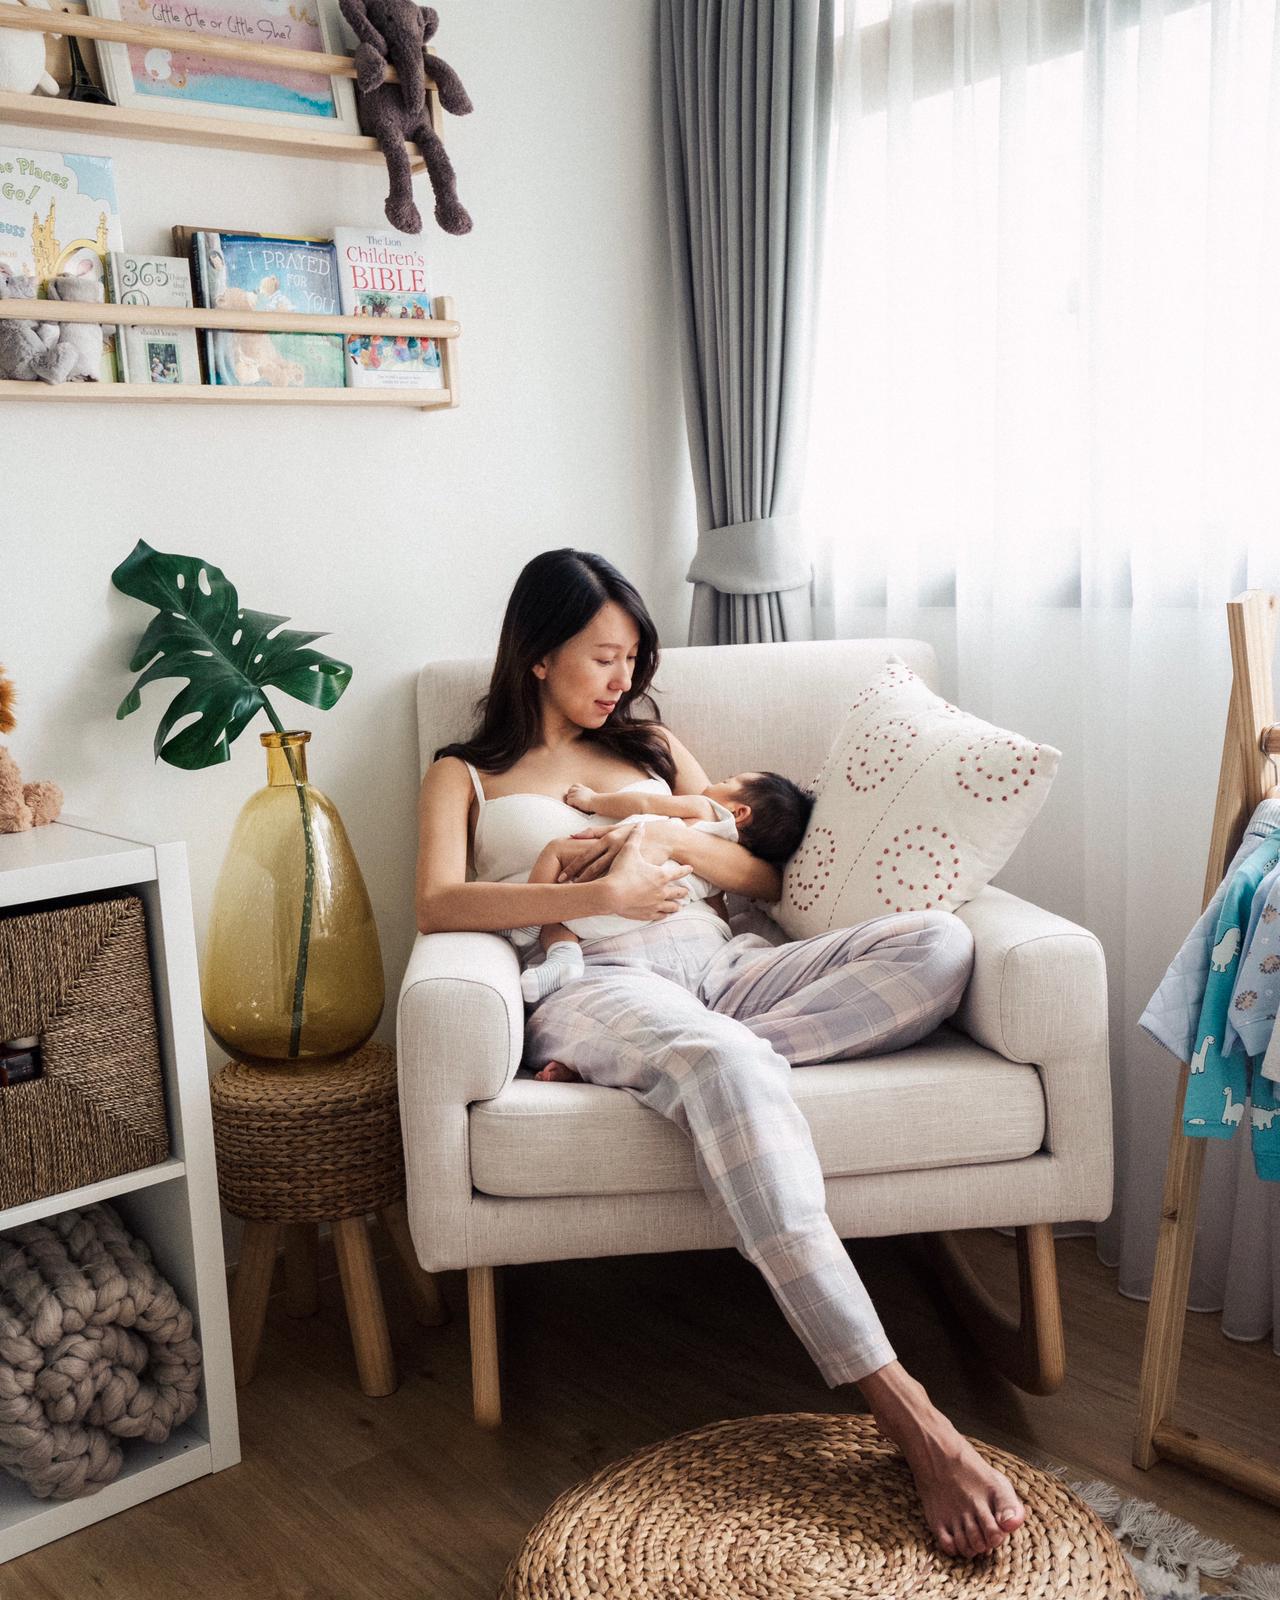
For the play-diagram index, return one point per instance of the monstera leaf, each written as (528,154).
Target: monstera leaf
(226,654)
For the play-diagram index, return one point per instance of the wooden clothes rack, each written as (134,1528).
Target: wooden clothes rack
(1245,778)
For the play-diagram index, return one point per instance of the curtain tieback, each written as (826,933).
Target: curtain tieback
(758,556)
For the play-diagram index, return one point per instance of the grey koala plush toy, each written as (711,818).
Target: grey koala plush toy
(78,350)
(52,351)
(22,344)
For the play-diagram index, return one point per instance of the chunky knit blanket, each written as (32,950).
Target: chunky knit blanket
(94,1348)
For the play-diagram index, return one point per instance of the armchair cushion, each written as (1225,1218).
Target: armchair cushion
(945,1102)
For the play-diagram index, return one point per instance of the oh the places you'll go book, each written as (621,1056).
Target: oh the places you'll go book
(58,215)
(383,276)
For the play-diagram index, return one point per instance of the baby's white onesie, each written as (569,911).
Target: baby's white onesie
(609,924)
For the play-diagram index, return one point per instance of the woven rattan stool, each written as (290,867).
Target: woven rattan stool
(301,1145)
(808,1506)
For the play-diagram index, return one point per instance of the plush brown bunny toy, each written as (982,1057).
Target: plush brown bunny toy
(395,33)
(22,805)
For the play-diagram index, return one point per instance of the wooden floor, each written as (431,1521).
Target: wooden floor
(344,1498)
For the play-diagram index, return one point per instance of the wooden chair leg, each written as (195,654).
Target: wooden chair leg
(429,1302)
(482,1305)
(249,1295)
(301,1269)
(368,1320)
(1029,1350)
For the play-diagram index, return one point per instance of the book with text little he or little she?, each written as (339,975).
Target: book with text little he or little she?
(383,275)
(262,272)
(153,354)
(59,214)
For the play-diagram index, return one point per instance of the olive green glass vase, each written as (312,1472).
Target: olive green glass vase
(292,969)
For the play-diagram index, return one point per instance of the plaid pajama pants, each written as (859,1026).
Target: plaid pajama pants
(704,1027)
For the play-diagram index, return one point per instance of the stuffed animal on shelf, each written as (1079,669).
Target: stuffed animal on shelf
(77,352)
(395,33)
(22,69)
(23,344)
(22,805)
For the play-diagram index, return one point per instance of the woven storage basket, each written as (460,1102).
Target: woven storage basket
(800,1507)
(77,975)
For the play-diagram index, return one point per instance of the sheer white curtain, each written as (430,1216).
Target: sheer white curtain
(1046,436)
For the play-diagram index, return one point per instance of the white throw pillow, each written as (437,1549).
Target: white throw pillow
(917,806)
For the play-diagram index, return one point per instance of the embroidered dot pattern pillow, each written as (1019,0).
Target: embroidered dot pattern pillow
(917,807)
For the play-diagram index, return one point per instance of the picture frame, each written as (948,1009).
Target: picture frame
(157,78)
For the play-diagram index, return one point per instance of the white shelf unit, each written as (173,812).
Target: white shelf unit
(174,1205)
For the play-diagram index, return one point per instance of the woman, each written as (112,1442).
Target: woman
(701,1026)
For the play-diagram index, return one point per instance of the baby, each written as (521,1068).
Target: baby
(763,811)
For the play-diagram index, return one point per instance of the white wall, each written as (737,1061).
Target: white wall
(401,532)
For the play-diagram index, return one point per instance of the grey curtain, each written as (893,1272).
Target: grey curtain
(746,109)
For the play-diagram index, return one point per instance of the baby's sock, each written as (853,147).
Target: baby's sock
(564,961)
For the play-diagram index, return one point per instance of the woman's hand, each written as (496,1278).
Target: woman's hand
(589,853)
(641,887)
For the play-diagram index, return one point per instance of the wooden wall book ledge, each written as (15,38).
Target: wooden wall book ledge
(189,127)
(441,327)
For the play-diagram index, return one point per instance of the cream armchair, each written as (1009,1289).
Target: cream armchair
(1002,1117)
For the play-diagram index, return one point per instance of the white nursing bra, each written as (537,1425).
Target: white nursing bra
(512,830)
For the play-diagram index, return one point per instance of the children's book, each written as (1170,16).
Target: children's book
(59,214)
(383,276)
(265,272)
(147,354)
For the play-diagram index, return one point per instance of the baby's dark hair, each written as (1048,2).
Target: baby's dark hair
(779,815)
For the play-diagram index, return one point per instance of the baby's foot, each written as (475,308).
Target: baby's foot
(557,1072)
(564,961)
(969,1506)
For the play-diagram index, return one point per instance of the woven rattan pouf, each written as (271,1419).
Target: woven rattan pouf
(301,1145)
(801,1507)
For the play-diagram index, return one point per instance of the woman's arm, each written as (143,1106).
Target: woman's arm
(590,853)
(444,900)
(729,865)
(726,864)
(690,778)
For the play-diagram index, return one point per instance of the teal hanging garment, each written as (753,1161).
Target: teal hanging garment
(1219,1085)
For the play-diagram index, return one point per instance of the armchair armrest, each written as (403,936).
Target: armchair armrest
(1038,995)
(460,1036)
(460,1020)
(1039,984)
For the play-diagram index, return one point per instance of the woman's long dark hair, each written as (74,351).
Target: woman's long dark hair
(555,597)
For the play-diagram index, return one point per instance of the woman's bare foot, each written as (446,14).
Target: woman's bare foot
(557,1072)
(969,1506)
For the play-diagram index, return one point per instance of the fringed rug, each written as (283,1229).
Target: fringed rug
(1171,1558)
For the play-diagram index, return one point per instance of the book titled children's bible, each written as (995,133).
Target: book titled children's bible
(262,272)
(383,276)
(59,214)
(150,354)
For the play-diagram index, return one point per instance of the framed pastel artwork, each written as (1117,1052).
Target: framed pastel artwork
(155,77)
